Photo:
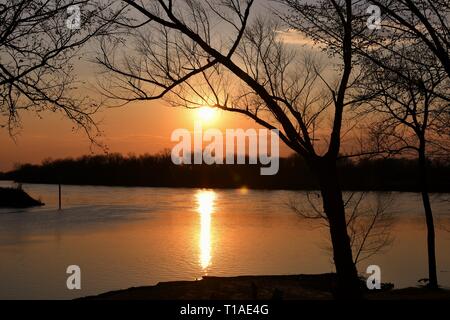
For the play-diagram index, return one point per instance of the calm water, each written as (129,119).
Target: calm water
(124,237)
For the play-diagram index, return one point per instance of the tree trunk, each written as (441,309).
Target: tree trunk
(347,275)
(432,274)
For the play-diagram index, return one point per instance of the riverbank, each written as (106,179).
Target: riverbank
(282,287)
(293,174)
(17,198)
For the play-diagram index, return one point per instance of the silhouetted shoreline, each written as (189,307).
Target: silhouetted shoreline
(294,174)
(16,198)
(266,287)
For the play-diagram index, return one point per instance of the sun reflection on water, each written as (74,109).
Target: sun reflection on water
(205,202)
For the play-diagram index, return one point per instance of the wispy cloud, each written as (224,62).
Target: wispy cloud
(294,37)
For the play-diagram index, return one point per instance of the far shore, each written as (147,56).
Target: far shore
(396,174)
(270,287)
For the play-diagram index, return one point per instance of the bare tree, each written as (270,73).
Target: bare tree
(412,50)
(369,221)
(408,112)
(38,44)
(424,21)
(217,53)
(370,225)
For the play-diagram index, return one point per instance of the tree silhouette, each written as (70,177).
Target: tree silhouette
(407,63)
(37,49)
(409,114)
(424,21)
(180,56)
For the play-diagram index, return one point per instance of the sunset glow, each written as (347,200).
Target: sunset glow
(226,159)
(206,114)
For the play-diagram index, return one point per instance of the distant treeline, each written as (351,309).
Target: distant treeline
(159,171)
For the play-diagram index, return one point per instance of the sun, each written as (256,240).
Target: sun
(206,114)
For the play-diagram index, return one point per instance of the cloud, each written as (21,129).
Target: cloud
(294,37)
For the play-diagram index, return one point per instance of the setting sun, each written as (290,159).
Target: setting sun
(206,114)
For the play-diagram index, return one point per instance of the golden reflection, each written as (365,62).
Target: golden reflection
(243,190)
(205,202)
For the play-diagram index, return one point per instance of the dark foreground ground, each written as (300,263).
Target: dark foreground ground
(290,287)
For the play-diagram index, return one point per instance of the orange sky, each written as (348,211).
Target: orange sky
(138,128)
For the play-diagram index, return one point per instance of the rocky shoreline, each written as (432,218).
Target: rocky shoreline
(271,287)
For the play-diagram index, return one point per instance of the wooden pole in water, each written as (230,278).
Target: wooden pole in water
(59,195)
